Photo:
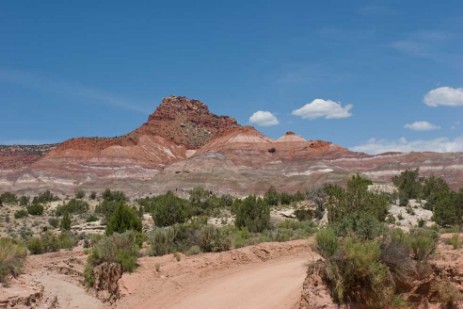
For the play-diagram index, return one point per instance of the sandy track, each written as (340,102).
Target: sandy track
(70,296)
(269,285)
(267,275)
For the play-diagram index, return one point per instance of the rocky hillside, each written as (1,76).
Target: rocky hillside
(18,156)
(183,145)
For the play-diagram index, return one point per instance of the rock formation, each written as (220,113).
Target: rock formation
(183,145)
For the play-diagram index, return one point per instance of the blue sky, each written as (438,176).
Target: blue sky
(99,68)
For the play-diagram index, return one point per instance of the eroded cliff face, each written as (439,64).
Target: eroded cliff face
(183,145)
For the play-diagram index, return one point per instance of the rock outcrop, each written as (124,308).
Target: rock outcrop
(107,276)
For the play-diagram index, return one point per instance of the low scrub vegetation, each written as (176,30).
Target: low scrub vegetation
(12,256)
(118,248)
(51,242)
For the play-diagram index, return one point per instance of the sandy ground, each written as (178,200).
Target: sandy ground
(268,275)
(269,285)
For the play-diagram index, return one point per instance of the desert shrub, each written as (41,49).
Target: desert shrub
(162,241)
(24,200)
(409,184)
(35,245)
(396,255)
(74,206)
(454,241)
(107,208)
(44,197)
(117,248)
(8,198)
(169,209)
(193,250)
(54,222)
(253,213)
(326,242)
(12,256)
(80,194)
(123,219)
(200,200)
(51,242)
(432,187)
(212,239)
(20,214)
(111,196)
(66,222)
(92,195)
(355,201)
(363,225)
(423,243)
(355,275)
(271,197)
(403,198)
(304,214)
(448,209)
(92,218)
(35,209)
(390,219)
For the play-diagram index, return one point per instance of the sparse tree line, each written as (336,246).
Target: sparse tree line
(356,232)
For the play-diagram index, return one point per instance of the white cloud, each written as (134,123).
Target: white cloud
(263,118)
(320,108)
(441,144)
(421,126)
(41,82)
(447,96)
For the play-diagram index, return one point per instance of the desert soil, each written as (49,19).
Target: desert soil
(267,275)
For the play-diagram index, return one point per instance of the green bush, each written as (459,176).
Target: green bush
(107,208)
(304,214)
(448,208)
(123,219)
(44,197)
(423,243)
(74,206)
(12,257)
(66,222)
(212,239)
(162,241)
(409,185)
(20,214)
(253,213)
(117,248)
(51,242)
(169,209)
(80,194)
(327,242)
(8,198)
(35,210)
(35,245)
(116,196)
(24,200)
(356,201)
(356,276)
(92,218)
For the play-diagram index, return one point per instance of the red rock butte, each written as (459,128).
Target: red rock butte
(183,145)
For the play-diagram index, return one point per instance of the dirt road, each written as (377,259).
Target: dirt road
(275,284)
(267,275)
